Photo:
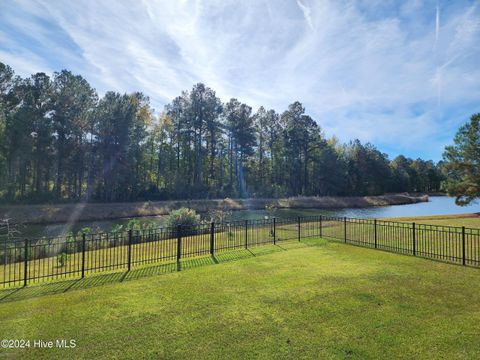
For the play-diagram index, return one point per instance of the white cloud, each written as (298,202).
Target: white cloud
(306,13)
(363,69)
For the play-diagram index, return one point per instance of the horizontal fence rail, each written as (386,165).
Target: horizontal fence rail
(27,261)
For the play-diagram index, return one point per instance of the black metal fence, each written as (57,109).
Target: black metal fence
(32,260)
(453,244)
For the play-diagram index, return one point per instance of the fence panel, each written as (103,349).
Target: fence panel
(151,246)
(13,262)
(309,227)
(440,242)
(395,236)
(286,229)
(472,242)
(333,227)
(195,240)
(360,232)
(230,236)
(261,232)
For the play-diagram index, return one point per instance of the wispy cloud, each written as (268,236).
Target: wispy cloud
(306,13)
(437,23)
(363,69)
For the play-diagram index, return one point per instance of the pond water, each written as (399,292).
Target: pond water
(438,205)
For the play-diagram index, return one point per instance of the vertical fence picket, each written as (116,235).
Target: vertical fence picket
(274,232)
(320,227)
(414,242)
(345,228)
(299,228)
(25,267)
(129,253)
(463,246)
(212,238)
(83,254)
(246,234)
(179,245)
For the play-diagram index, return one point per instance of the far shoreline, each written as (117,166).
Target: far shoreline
(64,213)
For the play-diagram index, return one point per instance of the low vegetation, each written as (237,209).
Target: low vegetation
(183,217)
(326,300)
(467,220)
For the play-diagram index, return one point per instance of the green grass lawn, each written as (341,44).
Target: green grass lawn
(312,300)
(467,220)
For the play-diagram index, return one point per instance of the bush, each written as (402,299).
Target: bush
(271,208)
(85,230)
(184,217)
(133,224)
(220,215)
(62,259)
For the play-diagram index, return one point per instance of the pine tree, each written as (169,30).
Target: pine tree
(462,163)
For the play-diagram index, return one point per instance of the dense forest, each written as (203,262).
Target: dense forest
(60,141)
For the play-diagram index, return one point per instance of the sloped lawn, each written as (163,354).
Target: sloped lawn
(311,300)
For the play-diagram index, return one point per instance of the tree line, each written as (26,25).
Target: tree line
(60,141)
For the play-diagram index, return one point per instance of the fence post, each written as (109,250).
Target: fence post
(414,240)
(212,238)
(345,227)
(274,232)
(129,262)
(25,269)
(463,245)
(320,225)
(375,231)
(179,245)
(298,228)
(83,255)
(246,234)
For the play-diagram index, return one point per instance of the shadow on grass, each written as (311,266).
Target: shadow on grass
(99,279)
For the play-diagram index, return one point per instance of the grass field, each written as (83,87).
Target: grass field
(314,299)
(467,220)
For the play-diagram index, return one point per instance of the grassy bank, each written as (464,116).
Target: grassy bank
(327,300)
(467,220)
(62,213)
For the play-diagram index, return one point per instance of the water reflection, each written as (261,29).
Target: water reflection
(438,205)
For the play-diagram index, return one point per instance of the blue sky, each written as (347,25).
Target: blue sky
(403,75)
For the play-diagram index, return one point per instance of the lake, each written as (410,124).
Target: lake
(438,205)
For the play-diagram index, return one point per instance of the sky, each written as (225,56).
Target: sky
(403,75)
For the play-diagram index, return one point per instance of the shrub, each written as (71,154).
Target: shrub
(85,230)
(271,208)
(184,217)
(220,215)
(133,224)
(117,229)
(62,259)
(70,242)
